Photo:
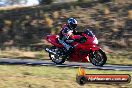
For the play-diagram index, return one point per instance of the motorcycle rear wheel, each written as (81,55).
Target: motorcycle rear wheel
(98,58)
(55,58)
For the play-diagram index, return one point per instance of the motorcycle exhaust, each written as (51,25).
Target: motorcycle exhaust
(50,51)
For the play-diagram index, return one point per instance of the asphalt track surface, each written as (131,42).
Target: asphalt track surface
(9,61)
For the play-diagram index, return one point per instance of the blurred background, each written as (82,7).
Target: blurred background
(24,23)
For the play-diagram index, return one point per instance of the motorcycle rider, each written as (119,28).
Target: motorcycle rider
(65,33)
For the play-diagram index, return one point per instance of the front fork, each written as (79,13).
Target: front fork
(92,50)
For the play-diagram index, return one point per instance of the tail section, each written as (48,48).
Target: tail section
(53,40)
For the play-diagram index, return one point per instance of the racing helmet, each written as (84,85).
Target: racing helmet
(72,23)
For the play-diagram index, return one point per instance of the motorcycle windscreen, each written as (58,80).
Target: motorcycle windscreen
(89,33)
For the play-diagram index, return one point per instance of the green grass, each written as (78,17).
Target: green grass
(23,54)
(20,76)
(119,59)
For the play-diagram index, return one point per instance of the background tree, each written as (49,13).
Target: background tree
(45,1)
(81,0)
(104,1)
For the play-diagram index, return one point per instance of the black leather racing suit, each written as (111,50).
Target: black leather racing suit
(64,36)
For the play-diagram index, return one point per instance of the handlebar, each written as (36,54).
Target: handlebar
(81,40)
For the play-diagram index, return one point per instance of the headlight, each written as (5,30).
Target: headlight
(95,41)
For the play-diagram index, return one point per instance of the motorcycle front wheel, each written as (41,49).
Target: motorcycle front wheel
(55,58)
(98,58)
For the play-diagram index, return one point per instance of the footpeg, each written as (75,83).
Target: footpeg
(50,51)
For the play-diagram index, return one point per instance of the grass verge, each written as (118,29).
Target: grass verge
(20,76)
(23,54)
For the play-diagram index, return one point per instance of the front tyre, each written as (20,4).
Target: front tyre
(55,58)
(98,58)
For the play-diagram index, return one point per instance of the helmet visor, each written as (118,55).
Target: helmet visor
(74,26)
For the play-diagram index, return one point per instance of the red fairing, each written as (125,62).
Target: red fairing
(75,37)
(81,50)
(53,40)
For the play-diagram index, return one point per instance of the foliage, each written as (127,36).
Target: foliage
(130,14)
(104,1)
(45,1)
(106,11)
(55,14)
(25,26)
(49,22)
(81,0)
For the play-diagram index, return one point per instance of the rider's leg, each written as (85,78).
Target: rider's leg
(68,47)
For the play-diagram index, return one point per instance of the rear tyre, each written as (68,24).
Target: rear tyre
(98,58)
(55,58)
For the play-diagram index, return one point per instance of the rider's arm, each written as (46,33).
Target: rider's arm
(77,33)
(70,41)
(65,33)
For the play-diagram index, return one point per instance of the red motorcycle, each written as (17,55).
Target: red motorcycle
(85,49)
